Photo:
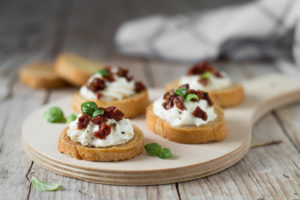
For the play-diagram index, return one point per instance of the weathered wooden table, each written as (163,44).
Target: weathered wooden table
(32,30)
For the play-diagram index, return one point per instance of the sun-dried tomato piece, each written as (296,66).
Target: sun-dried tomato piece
(96,85)
(113,113)
(168,105)
(178,101)
(110,76)
(168,95)
(198,112)
(200,68)
(203,81)
(109,111)
(83,121)
(103,132)
(218,74)
(139,86)
(99,119)
(122,72)
(207,98)
(99,95)
(186,86)
(118,115)
(203,67)
(202,95)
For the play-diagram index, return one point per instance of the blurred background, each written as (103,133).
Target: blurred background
(40,30)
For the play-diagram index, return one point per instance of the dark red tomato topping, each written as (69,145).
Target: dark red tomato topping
(103,132)
(201,95)
(203,81)
(110,76)
(99,119)
(203,67)
(139,86)
(198,112)
(83,122)
(122,72)
(173,99)
(99,95)
(168,104)
(96,85)
(113,113)
(207,98)
(178,101)
(186,86)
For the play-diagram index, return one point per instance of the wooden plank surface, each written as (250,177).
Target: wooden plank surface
(41,30)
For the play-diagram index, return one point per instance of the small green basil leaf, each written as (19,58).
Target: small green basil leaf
(181,92)
(44,186)
(89,108)
(54,115)
(98,112)
(153,149)
(103,72)
(71,118)
(191,96)
(205,75)
(165,153)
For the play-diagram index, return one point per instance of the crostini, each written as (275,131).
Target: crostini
(186,116)
(113,87)
(102,134)
(75,69)
(220,88)
(41,75)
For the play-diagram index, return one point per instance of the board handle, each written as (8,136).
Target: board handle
(268,92)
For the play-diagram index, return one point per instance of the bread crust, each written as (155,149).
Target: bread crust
(75,69)
(40,75)
(104,154)
(212,131)
(131,107)
(227,97)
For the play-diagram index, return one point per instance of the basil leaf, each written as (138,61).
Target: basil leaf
(54,115)
(191,96)
(181,92)
(103,72)
(44,186)
(98,112)
(152,149)
(155,149)
(205,75)
(165,153)
(89,108)
(71,118)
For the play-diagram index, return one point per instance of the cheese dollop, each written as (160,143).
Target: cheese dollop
(176,117)
(121,133)
(214,83)
(119,89)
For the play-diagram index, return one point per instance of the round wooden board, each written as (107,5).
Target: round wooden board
(189,161)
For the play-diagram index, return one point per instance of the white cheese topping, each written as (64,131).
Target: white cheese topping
(214,83)
(177,117)
(119,89)
(120,134)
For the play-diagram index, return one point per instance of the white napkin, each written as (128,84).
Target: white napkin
(265,28)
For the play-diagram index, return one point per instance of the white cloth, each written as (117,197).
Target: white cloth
(265,28)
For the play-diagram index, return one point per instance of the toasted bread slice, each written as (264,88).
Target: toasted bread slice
(131,106)
(40,75)
(76,69)
(114,153)
(227,97)
(212,131)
